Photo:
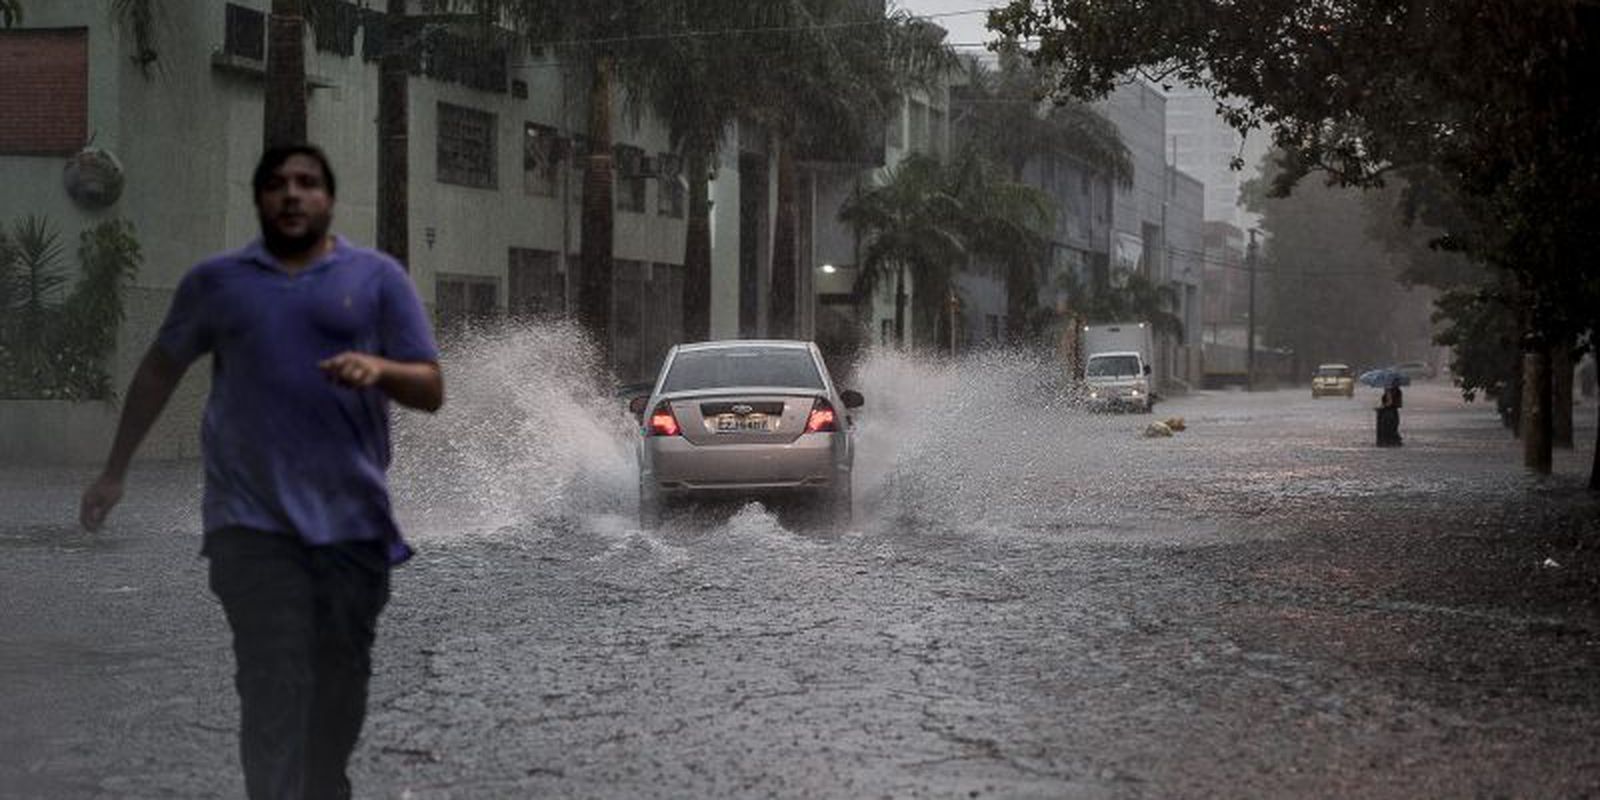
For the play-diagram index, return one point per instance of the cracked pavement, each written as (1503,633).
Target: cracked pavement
(1040,605)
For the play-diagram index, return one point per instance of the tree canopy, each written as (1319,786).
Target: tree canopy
(1495,96)
(933,219)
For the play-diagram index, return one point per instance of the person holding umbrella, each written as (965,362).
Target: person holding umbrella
(1389,415)
(1388,411)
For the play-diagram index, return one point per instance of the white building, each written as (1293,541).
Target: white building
(1206,147)
(494,189)
(495,139)
(1157,222)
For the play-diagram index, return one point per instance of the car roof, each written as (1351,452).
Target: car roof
(730,343)
(1331,366)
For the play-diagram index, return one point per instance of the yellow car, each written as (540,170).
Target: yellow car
(1333,379)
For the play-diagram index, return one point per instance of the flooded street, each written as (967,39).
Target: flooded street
(1033,601)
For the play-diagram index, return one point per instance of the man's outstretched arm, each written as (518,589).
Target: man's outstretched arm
(414,384)
(152,385)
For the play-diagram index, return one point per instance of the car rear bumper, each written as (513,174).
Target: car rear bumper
(1121,403)
(677,467)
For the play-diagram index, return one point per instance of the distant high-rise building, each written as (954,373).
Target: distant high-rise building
(1205,147)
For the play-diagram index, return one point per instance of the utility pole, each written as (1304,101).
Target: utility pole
(1250,326)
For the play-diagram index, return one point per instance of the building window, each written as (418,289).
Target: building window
(461,301)
(671,189)
(540,159)
(334,26)
(466,151)
(44,96)
(535,287)
(631,178)
(245,34)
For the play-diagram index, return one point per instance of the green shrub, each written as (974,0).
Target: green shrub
(54,342)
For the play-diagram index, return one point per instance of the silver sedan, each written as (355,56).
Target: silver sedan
(744,418)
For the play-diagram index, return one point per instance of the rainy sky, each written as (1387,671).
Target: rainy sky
(964,20)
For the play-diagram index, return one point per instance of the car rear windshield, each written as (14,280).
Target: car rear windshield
(1107,366)
(1332,372)
(728,367)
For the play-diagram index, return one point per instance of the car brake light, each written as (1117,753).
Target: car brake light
(662,423)
(822,418)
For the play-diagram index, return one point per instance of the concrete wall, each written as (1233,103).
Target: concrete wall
(1186,249)
(1206,148)
(1139,113)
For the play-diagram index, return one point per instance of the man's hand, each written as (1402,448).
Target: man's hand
(357,370)
(98,501)
(414,384)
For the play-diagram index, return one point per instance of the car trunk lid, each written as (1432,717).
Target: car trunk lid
(743,419)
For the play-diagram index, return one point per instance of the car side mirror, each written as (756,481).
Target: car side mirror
(1147,369)
(852,398)
(637,404)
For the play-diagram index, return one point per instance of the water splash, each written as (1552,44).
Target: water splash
(527,432)
(993,438)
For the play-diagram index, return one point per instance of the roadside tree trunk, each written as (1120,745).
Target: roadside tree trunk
(394,141)
(1594,468)
(785,250)
(284,107)
(697,247)
(595,238)
(1535,425)
(1561,395)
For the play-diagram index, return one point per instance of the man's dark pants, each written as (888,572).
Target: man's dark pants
(303,619)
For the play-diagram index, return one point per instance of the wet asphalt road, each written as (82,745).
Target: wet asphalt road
(1034,602)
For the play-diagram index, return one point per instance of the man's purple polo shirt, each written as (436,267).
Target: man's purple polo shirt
(287,450)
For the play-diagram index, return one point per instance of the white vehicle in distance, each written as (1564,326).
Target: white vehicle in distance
(758,419)
(1116,371)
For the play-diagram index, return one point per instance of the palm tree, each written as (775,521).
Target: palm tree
(1008,111)
(394,138)
(844,64)
(53,343)
(401,41)
(1008,114)
(912,222)
(933,220)
(1135,298)
(284,110)
(695,84)
(606,37)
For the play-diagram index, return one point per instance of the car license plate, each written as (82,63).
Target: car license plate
(743,423)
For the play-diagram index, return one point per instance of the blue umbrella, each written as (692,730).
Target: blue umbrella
(1385,377)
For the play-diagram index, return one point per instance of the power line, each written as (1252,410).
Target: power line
(1217,261)
(649,37)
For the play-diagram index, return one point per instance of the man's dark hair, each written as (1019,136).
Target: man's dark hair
(274,158)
